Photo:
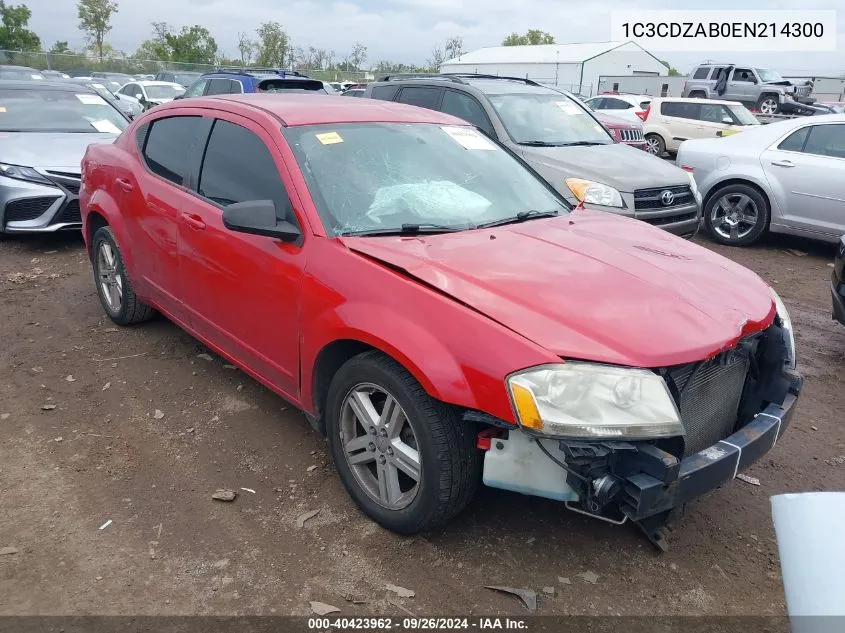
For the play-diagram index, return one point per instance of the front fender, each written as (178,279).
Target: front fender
(436,370)
(456,353)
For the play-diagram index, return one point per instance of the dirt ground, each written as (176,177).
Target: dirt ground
(144,430)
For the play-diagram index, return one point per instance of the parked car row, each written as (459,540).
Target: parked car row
(632,371)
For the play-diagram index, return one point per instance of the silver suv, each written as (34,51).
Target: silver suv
(758,88)
(561,140)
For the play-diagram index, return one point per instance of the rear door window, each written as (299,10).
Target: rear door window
(680,110)
(238,167)
(385,93)
(420,96)
(465,107)
(168,146)
(221,87)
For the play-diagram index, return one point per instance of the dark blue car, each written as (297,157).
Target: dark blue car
(254,80)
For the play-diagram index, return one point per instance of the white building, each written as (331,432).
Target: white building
(574,67)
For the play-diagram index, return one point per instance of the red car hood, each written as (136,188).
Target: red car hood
(590,286)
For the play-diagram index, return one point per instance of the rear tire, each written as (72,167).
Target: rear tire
(114,289)
(655,144)
(736,206)
(441,447)
(697,94)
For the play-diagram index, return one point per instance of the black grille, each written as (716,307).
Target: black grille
(70,213)
(709,397)
(651,199)
(672,219)
(68,181)
(27,209)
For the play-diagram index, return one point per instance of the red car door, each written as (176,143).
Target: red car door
(242,291)
(152,196)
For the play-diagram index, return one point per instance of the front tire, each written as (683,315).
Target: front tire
(118,299)
(736,215)
(655,145)
(768,104)
(406,459)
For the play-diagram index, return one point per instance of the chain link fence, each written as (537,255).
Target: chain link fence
(85,64)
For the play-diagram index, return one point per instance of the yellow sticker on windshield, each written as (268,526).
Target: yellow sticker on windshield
(2,109)
(329,138)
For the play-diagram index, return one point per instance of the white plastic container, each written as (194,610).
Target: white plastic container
(810,530)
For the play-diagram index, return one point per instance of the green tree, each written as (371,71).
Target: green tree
(273,44)
(61,48)
(673,72)
(193,45)
(14,34)
(532,38)
(95,21)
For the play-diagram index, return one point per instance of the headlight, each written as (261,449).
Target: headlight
(786,324)
(23,173)
(594,192)
(589,400)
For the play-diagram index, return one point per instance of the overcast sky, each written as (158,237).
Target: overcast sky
(407,30)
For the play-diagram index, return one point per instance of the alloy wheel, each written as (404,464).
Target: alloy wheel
(111,281)
(734,216)
(768,106)
(380,446)
(653,145)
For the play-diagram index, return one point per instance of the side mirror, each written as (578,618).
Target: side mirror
(258,217)
(727,120)
(181,96)
(139,96)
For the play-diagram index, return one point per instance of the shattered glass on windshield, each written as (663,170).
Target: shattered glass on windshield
(375,176)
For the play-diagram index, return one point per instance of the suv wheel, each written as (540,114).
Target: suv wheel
(655,144)
(407,460)
(697,94)
(768,104)
(736,215)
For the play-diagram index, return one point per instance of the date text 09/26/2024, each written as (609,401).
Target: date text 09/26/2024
(417,624)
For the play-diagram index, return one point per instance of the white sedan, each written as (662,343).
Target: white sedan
(783,177)
(151,93)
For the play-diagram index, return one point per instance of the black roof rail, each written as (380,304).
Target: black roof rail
(237,70)
(403,76)
(524,80)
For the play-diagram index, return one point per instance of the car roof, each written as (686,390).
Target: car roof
(7,66)
(64,85)
(318,109)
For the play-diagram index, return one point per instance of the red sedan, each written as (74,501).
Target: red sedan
(437,309)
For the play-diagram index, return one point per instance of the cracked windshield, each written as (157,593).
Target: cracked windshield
(380,177)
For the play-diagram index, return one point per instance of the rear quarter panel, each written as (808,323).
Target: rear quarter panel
(99,194)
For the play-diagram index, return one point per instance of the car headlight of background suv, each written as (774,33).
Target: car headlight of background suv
(23,173)
(596,193)
(591,401)
(786,324)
